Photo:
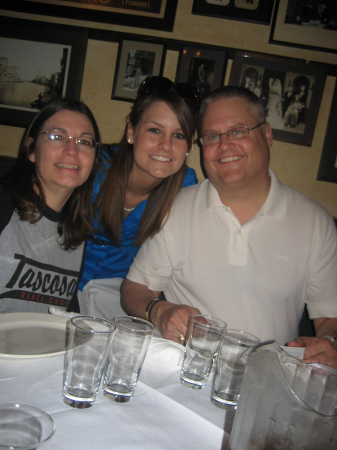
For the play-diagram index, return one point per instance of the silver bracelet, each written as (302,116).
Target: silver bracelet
(331,339)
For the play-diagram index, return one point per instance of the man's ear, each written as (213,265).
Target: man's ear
(268,134)
(31,156)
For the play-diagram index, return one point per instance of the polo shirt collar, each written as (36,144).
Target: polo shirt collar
(274,206)
(276,202)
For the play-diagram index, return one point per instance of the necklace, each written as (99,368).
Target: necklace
(129,210)
(43,236)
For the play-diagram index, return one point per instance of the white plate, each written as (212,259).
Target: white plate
(32,335)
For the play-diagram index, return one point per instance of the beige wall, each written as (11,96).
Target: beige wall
(295,165)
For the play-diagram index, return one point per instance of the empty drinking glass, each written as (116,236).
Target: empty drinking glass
(128,350)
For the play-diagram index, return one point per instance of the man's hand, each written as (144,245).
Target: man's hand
(317,350)
(172,320)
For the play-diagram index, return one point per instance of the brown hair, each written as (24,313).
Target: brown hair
(226,92)
(76,216)
(109,205)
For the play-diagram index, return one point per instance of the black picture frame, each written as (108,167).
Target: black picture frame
(136,60)
(328,164)
(31,32)
(202,67)
(292,103)
(228,9)
(154,15)
(291,27)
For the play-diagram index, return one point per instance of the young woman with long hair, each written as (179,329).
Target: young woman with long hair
(135,190)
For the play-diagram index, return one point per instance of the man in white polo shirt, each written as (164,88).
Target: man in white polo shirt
(240,246)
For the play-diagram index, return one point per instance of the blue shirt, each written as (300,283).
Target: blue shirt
(110,261)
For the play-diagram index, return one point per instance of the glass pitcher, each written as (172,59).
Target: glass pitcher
(285,404)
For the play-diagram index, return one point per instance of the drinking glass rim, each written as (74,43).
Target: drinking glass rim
(245,340)
(133,318)
(208,326)
(24,407)
(97,320)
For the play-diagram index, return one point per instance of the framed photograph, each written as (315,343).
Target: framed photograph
(203,68)
(328,165)
(154,14)
(136,60)
(290,91)
(308,24)
(39,63)
(256,11)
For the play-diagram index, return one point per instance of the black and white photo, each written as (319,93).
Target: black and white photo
(309,24)
(256,11)
(154,14)
(290,92)
(285,96)
(139,65)
(39,62)
(32,74)
(202,67)
(136,60)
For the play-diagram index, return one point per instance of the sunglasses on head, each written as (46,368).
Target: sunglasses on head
(162,85)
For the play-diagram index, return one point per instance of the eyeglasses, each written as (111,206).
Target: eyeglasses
(59,138)
(235,134)
(162,85)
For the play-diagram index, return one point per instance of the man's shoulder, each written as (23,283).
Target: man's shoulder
(301,199)
(194,190)
(306,210)
(189,198)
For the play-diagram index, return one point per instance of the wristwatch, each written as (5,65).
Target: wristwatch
(331,339)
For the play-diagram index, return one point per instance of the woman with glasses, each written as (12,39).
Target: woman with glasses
(46,209)
(135,190)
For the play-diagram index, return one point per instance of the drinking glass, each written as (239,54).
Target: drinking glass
(24,427)
(201,346)
(126,357)
(230,363)
(88,346)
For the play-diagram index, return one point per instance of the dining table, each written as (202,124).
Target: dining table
(163,413)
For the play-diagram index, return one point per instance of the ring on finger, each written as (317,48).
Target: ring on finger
(181,338)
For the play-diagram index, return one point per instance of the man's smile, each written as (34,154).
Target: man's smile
(230,159)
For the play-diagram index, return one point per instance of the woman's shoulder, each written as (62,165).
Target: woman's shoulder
(6,206)
(108,151)
(190,177)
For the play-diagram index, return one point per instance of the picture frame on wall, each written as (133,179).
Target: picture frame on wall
(136,61)
(297,23)
(290,91)
(328,164)
(154,14)
(39,63)
(201,67)
(256,11)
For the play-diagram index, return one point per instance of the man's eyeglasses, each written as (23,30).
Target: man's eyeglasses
(162,85)
(59,138)
(235,134)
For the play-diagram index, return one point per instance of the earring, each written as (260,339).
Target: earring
(129,140)
(187,154)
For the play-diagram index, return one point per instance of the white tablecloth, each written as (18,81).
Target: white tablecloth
(163,414)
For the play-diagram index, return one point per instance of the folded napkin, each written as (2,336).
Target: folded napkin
(164,354)
(61,312)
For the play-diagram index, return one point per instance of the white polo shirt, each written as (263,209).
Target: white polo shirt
(256,277)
